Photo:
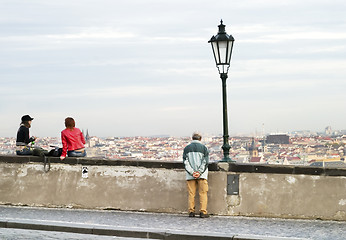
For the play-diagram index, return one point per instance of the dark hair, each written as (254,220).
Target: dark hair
(70,123)
(196,136)
(26,124)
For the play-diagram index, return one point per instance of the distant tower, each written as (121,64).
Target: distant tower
(87,137)
(328,130)
(253,150)
(264,145)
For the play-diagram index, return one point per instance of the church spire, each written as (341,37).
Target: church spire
(87,137)
(253,150)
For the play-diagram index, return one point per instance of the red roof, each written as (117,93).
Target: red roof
(255,159)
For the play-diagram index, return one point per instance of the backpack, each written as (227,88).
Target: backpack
(56,152)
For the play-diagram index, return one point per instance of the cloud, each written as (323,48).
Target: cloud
(84,36)
(176,109)
(150,64)
(274,33)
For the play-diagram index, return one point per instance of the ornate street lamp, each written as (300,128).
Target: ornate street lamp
(222,45)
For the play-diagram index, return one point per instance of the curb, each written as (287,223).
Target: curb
(106,230)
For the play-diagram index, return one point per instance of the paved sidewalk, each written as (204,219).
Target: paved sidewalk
(130,225)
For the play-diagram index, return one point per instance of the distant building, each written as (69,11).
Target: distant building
(253,150)
(328,130)
(255,160)
(278,139)
(329,164)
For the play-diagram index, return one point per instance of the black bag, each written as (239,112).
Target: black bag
(56,152)
(38,151)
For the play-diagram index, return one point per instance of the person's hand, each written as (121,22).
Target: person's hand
(196,174)
(62,158)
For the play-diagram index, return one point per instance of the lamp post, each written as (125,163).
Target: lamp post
(222,45)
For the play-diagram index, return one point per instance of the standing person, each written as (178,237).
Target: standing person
(196,159)
(72,140)
(23,137)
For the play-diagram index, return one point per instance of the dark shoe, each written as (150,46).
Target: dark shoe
(191,214)
(204,215)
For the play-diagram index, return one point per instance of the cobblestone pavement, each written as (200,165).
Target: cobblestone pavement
(309,229)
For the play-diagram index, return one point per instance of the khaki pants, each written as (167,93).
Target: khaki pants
(202,185)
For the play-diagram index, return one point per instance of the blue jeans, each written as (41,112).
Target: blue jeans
(75,153)
(25,151)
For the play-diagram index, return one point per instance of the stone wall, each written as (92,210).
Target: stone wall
(264,190)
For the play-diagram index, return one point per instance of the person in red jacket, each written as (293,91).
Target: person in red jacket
(72,140)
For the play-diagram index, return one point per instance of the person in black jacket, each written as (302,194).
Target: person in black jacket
(23,137)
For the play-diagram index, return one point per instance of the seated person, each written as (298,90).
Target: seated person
(23,137)
(72,140)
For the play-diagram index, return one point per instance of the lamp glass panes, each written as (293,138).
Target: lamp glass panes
(222,45)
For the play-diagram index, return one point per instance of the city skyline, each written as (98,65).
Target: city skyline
(145,68)
(327,131)
(296,149)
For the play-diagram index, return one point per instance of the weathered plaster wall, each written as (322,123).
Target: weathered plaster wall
(117,187)
(290,196)
(161,187)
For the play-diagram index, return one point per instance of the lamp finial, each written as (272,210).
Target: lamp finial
(222,28)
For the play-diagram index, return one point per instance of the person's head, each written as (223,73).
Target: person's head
(70,123)
(26,121)
(196,136)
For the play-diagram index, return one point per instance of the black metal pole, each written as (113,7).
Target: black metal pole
(225,147)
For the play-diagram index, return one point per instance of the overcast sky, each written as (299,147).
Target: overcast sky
(144,67)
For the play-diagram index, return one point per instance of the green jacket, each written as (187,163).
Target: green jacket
(196,159)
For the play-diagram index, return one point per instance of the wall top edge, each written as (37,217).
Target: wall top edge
(213,166)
